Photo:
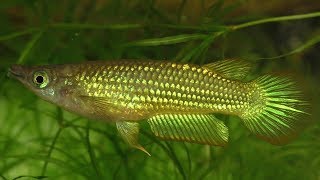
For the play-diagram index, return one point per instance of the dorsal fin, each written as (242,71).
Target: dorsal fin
(195,128)
(230,68)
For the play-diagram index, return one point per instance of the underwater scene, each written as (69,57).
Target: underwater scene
(159,89)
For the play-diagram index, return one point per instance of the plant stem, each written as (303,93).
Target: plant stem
(91,152)
(44,168)
(18,33)
(137,26)
(29,46)
(94,26)
(275,19)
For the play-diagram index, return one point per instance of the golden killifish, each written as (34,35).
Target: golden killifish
(177,100)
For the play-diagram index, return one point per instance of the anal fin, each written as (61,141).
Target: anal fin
(195,128)
(129,131)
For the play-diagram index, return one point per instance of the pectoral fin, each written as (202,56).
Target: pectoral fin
(230,68)
(196,128)
(129,131)
(104,108)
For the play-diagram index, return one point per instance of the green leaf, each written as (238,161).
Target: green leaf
(168,40)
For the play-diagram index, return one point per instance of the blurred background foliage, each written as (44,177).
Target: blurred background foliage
(39,140)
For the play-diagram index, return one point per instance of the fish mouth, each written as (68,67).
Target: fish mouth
(16,71)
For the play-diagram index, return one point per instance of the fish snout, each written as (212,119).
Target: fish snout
(16,71)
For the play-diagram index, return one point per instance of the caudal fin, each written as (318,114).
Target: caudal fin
(279,110)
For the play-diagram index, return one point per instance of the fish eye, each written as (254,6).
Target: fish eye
(40,79)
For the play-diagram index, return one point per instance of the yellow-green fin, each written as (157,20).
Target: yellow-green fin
(279,112)
(129,131)
(99,105)
(103,108)
(230,68)
(195,128)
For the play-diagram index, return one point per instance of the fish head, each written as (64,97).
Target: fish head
(48,82)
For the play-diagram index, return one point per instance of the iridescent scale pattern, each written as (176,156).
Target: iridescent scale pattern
(163,87)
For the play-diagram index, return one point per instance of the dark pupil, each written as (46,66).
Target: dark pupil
(39,79)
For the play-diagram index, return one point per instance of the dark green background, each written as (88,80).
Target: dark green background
(39,140)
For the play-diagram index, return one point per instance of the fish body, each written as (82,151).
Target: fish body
(135,91)
(176,99)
